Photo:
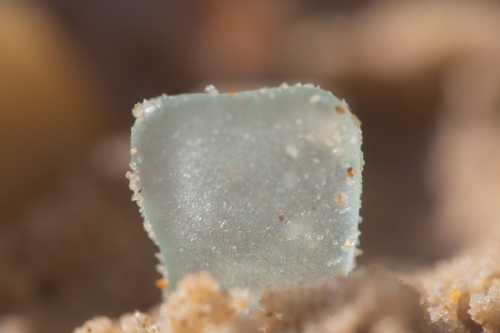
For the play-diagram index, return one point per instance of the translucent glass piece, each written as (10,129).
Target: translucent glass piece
(259,188)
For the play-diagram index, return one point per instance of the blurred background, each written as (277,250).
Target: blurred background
(423,77)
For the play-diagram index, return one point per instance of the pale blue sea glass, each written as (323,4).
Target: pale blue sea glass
(260,188)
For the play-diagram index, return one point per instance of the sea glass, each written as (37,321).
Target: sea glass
(259,188)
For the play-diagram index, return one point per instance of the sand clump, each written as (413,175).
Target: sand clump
(461,295)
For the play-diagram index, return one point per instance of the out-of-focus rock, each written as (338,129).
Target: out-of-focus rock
(393,41)
(50,104)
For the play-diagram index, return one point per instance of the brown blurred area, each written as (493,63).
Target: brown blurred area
(423,77)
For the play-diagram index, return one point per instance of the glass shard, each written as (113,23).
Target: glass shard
(259,188)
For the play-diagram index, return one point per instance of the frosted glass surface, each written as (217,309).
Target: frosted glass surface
(259,188)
